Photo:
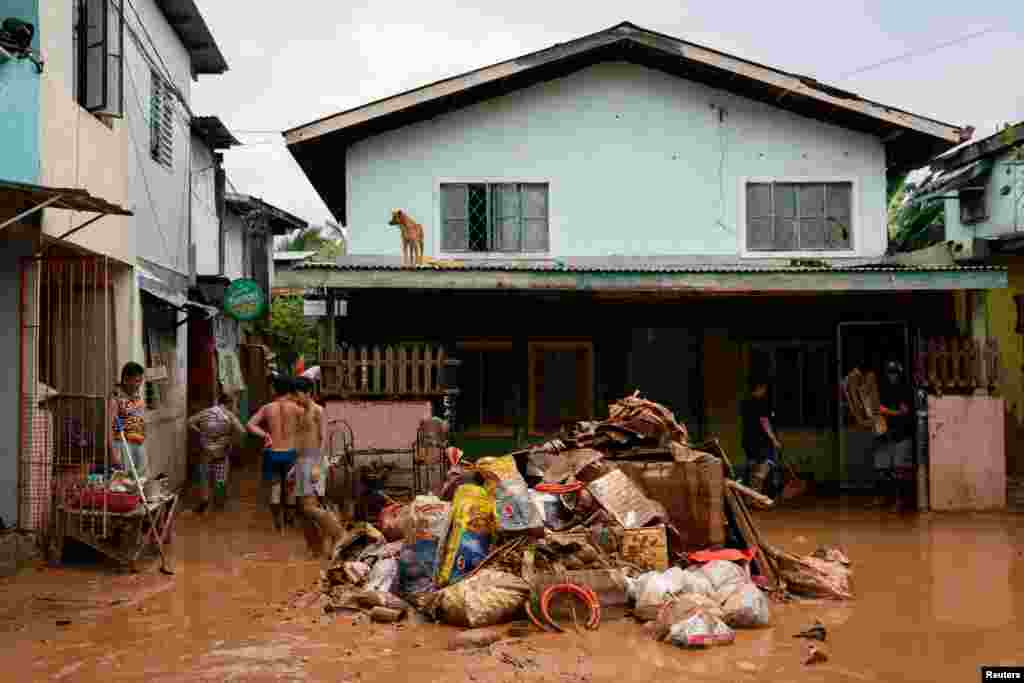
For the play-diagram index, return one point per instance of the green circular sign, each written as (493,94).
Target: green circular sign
(244,300)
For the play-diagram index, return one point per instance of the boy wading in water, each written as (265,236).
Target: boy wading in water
(277,423)
(321,527)
(128,408)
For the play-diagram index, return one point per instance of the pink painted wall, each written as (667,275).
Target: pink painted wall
(379,424)
(967,453)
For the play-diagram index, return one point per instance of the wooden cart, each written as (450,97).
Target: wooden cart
(126,537)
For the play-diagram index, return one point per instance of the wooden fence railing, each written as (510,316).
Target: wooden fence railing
(958,365)
(378,372)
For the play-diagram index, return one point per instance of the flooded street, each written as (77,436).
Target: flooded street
(938,596)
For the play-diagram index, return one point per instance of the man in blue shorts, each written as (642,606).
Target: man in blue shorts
(278,423)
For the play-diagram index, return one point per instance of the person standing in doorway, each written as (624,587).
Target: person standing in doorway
(218,430)
(277,424)
(322,528)
(760,442)
(128,426)
(893,451)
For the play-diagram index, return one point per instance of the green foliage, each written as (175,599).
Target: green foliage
(910,220)
(288,332)
(328,241)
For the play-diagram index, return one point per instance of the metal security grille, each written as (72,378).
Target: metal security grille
(494,217)
(66,357)
(799,216)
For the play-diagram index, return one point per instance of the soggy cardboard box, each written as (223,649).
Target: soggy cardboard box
(646,548)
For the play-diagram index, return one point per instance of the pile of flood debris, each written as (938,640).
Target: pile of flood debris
(620,513)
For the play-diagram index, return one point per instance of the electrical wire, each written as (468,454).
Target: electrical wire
(919,53)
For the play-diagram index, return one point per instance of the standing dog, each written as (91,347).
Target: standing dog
(412,237)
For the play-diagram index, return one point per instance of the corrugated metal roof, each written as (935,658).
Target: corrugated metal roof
(293,255)
(682,269)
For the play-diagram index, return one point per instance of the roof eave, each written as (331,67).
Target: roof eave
(190,27)
(793,84)
(986,147)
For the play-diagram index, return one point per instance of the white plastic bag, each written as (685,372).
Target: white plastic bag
(695,581)
(701,629)
(747,607)
(635,586)
(383,576)
(724,574)
(657,589)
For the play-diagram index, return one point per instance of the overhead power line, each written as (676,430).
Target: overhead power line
(919,52)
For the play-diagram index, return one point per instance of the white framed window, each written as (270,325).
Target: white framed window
(798,216)
(494,217)
(161,120)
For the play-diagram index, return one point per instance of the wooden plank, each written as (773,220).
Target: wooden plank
(389,370)
(376,382)
(403,385)
(701,281)
(416,366)
(428,370)
(363,378)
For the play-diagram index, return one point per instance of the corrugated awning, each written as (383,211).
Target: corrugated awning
(26,199)
(153,284)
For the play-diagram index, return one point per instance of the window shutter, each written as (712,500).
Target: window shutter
(454,217)
(839,212)
(96,28)
(535,217)
(161,120)
(759,216)
(114,100)
(507,217)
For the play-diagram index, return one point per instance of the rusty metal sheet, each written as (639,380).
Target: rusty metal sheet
(625,501)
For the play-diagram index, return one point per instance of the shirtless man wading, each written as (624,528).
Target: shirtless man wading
(278,424)
(309,473)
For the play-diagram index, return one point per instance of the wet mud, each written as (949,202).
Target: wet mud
(938,596)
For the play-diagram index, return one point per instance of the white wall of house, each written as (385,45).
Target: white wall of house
(234,246)
(638,163)
(159,193)
(205,224)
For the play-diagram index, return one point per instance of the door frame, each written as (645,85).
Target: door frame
(844,482)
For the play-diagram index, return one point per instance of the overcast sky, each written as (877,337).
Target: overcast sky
(295,62)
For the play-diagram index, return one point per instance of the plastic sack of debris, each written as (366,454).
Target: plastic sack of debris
(424,535)
(725,577)
(511,494)
(487,598)
(814,577)
(700,629)
(469,538)
(678,609)
(384,576)
(657,587)
(747,607)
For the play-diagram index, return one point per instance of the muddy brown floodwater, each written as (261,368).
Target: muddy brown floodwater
(938,597)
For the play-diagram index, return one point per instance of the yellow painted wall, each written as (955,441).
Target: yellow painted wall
(1002,316)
